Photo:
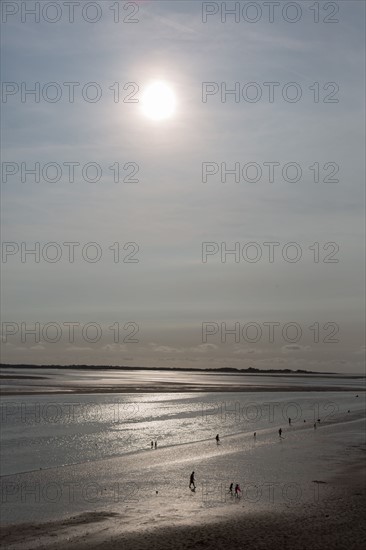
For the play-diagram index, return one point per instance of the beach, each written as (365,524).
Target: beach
(334,525)
(183,275)
(335,522)
(305,489)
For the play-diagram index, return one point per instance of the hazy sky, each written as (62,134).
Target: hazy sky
(293,130)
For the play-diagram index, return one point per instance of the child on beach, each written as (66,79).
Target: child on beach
(237,490)
(217,439)
(231,488)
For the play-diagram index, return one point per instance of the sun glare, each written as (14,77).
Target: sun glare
(158,101)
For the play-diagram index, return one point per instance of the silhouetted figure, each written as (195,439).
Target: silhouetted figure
(217,439)
(289,421)
(255,435)
(237,490)
(231,488)
(152,444)
(156,444)
(191,482)
(280,432)
(314,425)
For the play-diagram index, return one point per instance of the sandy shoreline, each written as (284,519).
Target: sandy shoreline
(330,460)
(334,524)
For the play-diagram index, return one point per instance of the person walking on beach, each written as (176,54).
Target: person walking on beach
(152,444)
(156,444)
(314,425)
(255,435)
(237,490)
(289,421)
(217,439)
(280,433)
(191,482)
(231,488)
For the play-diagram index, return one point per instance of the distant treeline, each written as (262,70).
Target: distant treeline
(227,370)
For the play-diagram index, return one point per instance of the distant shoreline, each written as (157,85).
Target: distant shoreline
(91,380)
(220,370)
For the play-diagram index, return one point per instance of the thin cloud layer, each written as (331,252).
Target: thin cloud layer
(149,267)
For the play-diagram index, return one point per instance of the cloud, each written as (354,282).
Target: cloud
(78,348)
(169,212)
(166,349)
(247,351)
(294,347)
(114,348)
(203,348)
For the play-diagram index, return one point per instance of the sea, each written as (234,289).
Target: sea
(52,430)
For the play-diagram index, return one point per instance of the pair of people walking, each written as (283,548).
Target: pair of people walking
(237,490)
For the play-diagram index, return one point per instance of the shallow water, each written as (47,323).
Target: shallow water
(47,431)
(64,454)
(149,488)
(53,380)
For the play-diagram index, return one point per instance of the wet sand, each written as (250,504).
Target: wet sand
(336,524)
(327,464)
(83,381)
(171,389)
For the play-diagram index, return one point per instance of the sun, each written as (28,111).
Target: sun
(158,101)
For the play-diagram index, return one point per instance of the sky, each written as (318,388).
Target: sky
(228,234)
